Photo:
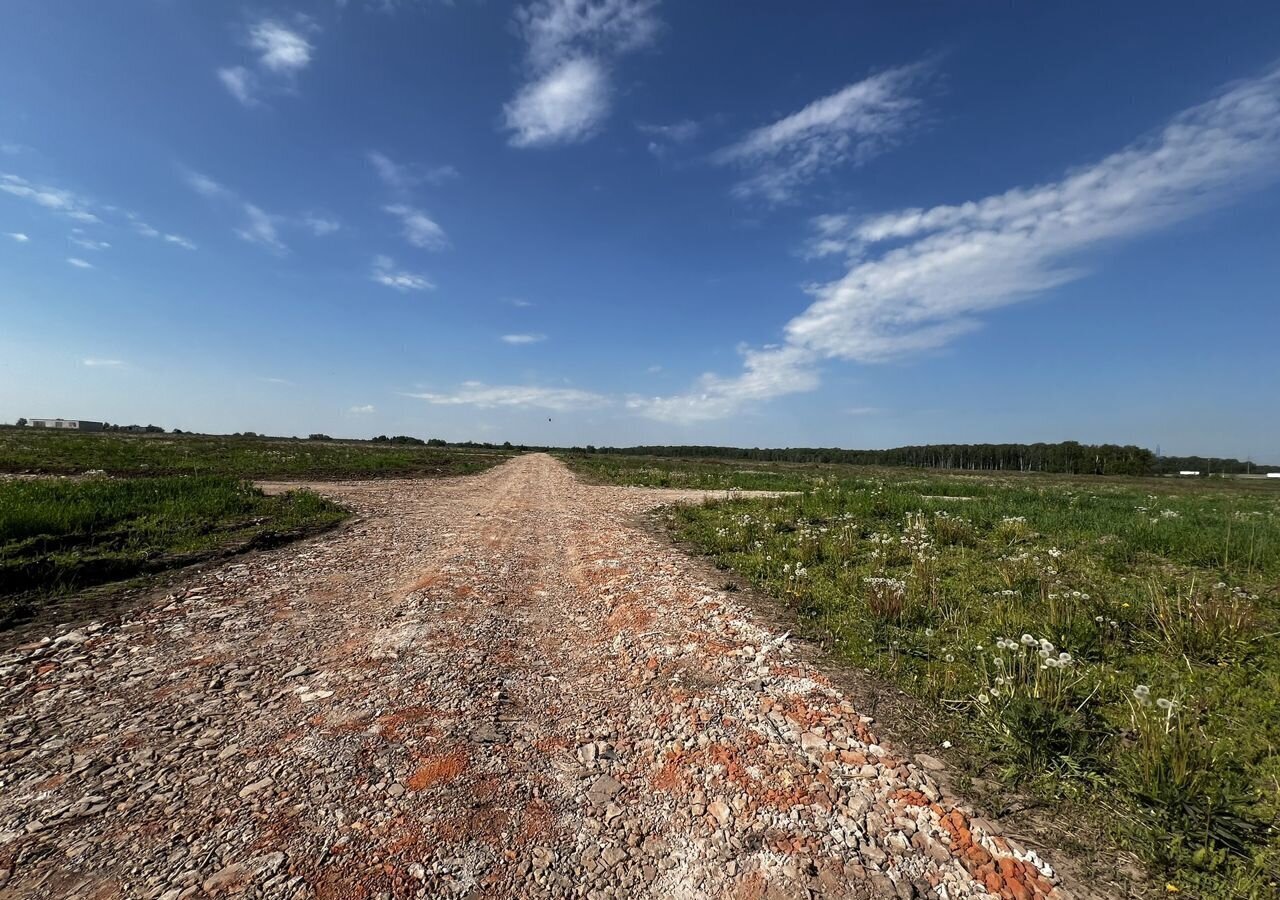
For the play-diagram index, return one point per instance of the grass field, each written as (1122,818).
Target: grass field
(157,502)
(50,452)
(62,535)
(1109,645)
(702,474)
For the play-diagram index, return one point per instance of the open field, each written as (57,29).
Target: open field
(700,474)
(50,452)
(499,686)
(64,535)
(1108,645)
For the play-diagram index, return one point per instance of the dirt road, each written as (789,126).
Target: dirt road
(494,686)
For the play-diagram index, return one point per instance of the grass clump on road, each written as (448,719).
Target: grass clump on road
(63,535)
(33,450)
(1108,644)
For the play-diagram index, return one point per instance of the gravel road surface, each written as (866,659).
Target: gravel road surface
(493,686)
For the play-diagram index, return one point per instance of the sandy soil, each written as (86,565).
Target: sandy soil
(494,686)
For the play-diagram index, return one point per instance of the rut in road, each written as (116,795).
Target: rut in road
(494,686)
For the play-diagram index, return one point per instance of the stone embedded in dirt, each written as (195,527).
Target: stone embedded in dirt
(932,763)
(721,811)
(811,741)
(603,789)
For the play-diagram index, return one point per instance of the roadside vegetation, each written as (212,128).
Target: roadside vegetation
(59,535)
(31,450)
(1107,645)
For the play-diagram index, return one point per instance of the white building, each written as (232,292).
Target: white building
(1273,474)
(67,424)
(1189,472)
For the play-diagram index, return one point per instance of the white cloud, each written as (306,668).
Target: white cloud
(566,96)
(676,132)
(918,278)
(484,396)
(17,236)
(365,410)
(204,185)
(261,229)
(563,106)
(283,49)
(385,273)
(419,228)
(666,136)
(241,84)
(104,363)
(87,243)
(282,52)
(555,29)
(520,302)
(79,263)
(523,338)
(179,240)
(282,381)
(404,178)
(321,226)
(849,126)
(56,199)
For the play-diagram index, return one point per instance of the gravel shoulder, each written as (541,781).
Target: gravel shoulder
(492,686)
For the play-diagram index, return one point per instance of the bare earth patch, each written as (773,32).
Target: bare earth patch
(493,686)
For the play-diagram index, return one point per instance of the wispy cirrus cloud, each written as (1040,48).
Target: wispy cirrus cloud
(98,363)
(282,51)
(386,274)
(487,396)
(402,178)
(848,127)
(418,228)
(202,184)
(663,137)
(240,83)
(78,209)
(916,279)
(148,231)
(260,228)
(61,201)
(320,225)
(18,236)
(79,263)
(365,410)
(518,339)
(84,242)
(569,42)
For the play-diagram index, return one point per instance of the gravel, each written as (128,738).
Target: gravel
(489,686)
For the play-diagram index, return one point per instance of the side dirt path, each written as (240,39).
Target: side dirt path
(492,686)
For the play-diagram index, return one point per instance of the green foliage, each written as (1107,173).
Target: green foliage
(45,451)
(1111,641)
(58,535)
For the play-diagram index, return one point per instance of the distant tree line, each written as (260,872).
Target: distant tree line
(1067,457)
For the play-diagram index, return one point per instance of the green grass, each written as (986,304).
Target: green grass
(49,452)
(694,474)
(63,535)
(1163,722)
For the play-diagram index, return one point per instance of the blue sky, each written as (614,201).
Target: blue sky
(628,221)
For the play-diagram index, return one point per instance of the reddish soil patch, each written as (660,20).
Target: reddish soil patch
(437,769)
